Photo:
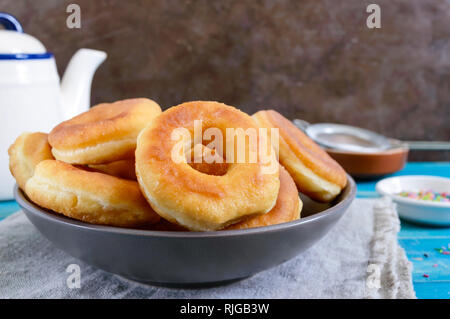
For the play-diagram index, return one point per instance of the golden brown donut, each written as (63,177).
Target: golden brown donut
(28,150)
(185,196)
(91,197)
(123,169)
(104,134)
(315,173)
(287,208)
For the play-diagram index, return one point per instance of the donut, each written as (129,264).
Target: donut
(123,169)
(104,134)
(315,173)
(287,208)
(195,200)
(28,150)
(90,197)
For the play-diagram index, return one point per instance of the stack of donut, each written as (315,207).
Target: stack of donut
(114,165)
(84,168)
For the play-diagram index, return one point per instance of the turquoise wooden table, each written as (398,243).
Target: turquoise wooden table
(431,273)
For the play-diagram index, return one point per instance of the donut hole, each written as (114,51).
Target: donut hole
(216,158)
(230,145)
(206,161)
(241,147)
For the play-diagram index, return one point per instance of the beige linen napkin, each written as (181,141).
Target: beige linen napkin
(359,258)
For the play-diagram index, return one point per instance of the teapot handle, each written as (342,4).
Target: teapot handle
(10,22)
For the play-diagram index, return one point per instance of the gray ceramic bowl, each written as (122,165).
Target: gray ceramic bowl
(188,258)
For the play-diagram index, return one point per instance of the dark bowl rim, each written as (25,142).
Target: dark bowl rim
(349,193)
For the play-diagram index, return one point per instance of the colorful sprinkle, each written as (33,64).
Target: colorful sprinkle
(446,252)
(439,250)
(429,195)
(426,276)
(425,255)
(417,258)
(435,265)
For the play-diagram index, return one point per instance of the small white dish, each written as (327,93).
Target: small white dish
(417,210)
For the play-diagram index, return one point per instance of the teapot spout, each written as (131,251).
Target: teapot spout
(77,80)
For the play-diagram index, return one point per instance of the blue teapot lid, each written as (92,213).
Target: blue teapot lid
(16,45)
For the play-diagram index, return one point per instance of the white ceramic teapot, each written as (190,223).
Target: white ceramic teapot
(31,95)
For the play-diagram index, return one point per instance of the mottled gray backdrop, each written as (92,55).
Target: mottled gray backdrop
(310,59)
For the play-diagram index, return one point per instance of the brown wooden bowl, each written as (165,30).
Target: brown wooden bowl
(372,165)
